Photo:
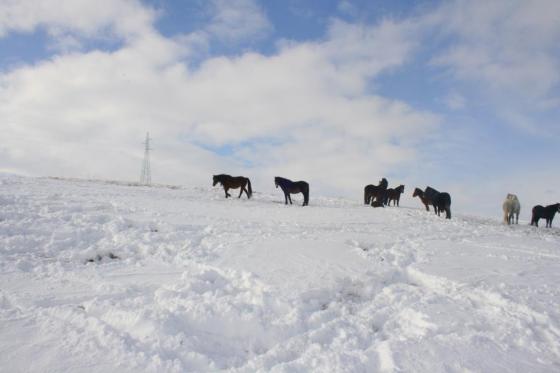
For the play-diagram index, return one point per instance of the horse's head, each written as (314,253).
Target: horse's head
(215,180)
(417,192)
(383,183)
(276,181)
(400,188)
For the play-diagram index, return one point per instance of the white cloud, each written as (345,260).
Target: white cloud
(303,112)
(238,20)
(125,19)
(509,46)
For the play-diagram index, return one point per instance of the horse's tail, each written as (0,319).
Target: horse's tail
(249,187)
(447,204)
(366,195)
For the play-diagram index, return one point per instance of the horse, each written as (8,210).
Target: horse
(292,187)
(371,192)
(440,201)
(547,213)
(511,207)
(377,204)
(394,195)
(420,194)
(234,182)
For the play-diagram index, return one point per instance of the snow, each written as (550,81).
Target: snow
(105,276)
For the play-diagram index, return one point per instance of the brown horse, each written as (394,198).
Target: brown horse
(420,194)
(233,182)
(395,195)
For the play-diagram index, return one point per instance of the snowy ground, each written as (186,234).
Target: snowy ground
(200,283)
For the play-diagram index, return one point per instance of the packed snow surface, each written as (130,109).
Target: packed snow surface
(99,276)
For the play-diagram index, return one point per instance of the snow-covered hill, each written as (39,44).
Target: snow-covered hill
(99,277)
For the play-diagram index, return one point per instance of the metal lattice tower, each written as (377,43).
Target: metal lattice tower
(146,175)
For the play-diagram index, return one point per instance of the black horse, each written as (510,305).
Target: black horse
(394,195)
(440,201)
(372,192)
(292,187)
(547,213)
(234,182)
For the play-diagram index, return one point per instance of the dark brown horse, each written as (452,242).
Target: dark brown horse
(233,182)
(395,195)
(440,200)
(547,213)
(372,192)
(420,194)
(291,187)
(377,204)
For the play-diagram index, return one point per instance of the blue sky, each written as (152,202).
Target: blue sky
(460,95)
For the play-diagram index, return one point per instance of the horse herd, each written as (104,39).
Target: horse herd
(380,196)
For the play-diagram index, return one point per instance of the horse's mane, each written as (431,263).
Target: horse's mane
(429,189)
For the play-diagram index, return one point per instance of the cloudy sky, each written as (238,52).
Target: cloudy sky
(460,95)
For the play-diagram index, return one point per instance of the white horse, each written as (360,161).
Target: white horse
(511,207)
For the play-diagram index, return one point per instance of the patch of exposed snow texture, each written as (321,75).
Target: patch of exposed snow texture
(102,276)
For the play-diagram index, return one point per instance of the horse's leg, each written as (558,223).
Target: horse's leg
(225,190)
(289,198)
(285,198)
(246,191)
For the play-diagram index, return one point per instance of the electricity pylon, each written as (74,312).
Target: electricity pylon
(146,175)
